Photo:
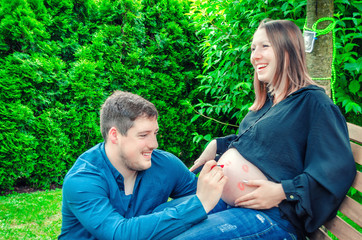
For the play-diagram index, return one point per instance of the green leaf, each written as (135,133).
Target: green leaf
(349,46)
(358,5)
(352,106)
(354,86)
(194,118)
(342,1)
(354,66)
(208,137)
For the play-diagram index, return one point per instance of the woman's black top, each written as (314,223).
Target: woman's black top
(302,142)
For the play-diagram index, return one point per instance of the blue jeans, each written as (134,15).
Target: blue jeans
(236,223)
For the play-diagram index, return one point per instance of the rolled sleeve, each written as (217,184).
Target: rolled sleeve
(222,143)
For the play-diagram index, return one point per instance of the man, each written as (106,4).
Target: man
(113,188)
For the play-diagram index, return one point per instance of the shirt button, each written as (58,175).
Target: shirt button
(291,196)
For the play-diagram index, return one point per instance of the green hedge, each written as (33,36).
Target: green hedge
(60,60)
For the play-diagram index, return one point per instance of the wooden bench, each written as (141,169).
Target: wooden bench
(350,208)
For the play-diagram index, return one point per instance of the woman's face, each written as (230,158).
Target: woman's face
(262,56)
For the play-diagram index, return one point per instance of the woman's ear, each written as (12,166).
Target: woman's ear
(113,135)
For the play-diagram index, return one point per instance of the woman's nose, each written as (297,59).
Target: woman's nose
(256,54)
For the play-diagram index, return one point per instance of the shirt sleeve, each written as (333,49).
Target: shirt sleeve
(222,143)
(329,170)
(185,182)
(87,198)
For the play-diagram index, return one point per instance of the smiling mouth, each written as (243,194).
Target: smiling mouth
(148,154)
(261,67)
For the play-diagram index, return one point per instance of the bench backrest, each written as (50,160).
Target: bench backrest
(350,208)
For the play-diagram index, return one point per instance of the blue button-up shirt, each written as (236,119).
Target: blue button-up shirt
(95,205)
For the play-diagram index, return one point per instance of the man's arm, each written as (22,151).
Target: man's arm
(87,198)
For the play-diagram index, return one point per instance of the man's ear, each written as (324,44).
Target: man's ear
(113,135)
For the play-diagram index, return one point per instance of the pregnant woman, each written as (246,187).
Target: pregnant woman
(291,164)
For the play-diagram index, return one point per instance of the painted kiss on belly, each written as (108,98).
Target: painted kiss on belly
(237,169)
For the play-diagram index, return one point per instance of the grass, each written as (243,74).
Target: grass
(34,215)
(37,215)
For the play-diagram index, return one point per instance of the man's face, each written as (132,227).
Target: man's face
(136,147)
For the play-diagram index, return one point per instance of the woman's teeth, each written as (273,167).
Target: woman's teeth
(261,66)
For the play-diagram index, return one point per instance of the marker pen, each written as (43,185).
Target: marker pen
(218,166)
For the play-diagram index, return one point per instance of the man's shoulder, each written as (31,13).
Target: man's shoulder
(162,153)
(91,161)
(162,156)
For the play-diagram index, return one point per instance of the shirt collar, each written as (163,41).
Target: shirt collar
(114,171)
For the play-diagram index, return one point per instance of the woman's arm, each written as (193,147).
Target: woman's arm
(216,147)
(208,154)
(329,170)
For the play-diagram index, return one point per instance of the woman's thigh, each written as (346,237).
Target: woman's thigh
(237,223)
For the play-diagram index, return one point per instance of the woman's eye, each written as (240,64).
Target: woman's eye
(265,45)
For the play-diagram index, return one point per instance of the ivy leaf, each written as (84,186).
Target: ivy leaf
(354,86)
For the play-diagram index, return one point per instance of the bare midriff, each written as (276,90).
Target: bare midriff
(238,170)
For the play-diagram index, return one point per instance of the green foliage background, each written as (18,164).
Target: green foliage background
(226,28)
(60,59)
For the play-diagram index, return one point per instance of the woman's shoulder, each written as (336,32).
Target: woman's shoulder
(315,103)
(314,95)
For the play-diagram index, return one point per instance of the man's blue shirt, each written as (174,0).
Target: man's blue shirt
(95,205)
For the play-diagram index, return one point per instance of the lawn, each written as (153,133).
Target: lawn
(34,215)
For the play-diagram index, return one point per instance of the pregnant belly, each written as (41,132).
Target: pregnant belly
(237,169)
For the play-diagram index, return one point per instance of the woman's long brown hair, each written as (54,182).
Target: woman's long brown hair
(291,73)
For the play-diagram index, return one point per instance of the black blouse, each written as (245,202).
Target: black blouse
(302,143)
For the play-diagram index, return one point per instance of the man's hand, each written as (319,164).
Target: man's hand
(267,195)
(210,185)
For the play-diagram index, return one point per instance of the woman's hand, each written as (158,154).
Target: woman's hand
(267,195)
(208,154)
